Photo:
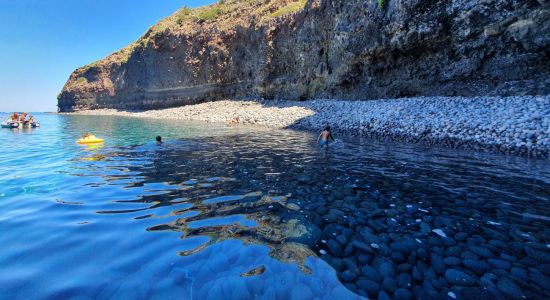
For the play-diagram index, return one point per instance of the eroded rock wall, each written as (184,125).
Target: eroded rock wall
(331,49)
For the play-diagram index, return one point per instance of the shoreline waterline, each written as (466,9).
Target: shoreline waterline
(516,125)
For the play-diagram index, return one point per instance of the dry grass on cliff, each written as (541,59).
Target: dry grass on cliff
(223,15)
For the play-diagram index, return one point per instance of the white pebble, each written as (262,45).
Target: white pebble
(439,232)
(375,246)
(322,251)
(452,295)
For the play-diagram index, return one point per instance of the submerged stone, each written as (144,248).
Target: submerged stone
(457,277)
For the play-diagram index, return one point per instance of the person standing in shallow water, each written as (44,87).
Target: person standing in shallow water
(325,137)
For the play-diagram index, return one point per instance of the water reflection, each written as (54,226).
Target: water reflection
(383,207)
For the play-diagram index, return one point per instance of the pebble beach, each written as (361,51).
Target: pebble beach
(517,125)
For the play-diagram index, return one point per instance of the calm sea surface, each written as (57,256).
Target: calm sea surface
(221,212)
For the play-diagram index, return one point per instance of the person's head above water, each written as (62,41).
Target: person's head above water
(159,139)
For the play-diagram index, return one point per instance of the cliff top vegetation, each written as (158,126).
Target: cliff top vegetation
(221,16)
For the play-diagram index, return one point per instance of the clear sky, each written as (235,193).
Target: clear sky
(43,41)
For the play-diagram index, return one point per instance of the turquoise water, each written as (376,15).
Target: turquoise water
(223,212)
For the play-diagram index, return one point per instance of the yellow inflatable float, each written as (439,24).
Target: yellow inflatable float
(89,139)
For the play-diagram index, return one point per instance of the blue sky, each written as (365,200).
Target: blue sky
(43,41)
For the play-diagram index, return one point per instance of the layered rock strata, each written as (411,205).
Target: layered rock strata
(301,50)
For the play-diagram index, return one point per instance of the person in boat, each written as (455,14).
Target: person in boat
(31,120)
(86,135)
(325,137)
(15,117)
(24,121)
(23,118)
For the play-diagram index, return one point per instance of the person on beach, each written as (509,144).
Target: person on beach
(159,139)
(325,137)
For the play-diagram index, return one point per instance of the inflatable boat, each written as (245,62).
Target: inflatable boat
(13,124)
(91,139)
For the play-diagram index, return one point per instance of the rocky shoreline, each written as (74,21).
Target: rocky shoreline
(516,125)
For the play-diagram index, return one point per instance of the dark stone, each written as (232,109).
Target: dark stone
(398,257)
(416,274)
(348,276)
(544,268)
(519,273)
(383,296)
(461,236)
(402,294)
(500,272)
(468,255)
(334,248)
(390,285)
(452,261)
(429,290)
(509,288)
(455,251)
(477,266)
(363,247)
(470,293)
(337,264)
(499,263)
(364,258)
(342,240)
(425,228)
(405,246)
(488,280)
(483,252)
(429,274)
(540,256)
(386,269)
(372,288)
(457,277)
(438,264)
(491,293)
(370,273)
(508,257)
(404,268)
(422,253)
(350,264)
(539,279)
(404,280)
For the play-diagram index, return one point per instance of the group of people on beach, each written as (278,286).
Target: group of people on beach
(15,117)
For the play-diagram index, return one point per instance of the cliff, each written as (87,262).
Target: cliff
(307,49)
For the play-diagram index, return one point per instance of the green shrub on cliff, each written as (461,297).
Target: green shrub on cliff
(76,84)
(209,13)
(289,8)
(382,4)
(183,14)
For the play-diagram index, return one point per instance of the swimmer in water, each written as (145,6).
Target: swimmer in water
(325,137)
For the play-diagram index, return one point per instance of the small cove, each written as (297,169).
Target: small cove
(233,212)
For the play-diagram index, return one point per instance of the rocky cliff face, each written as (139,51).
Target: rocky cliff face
(306,49)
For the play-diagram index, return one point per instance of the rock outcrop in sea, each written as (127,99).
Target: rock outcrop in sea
(313,49)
